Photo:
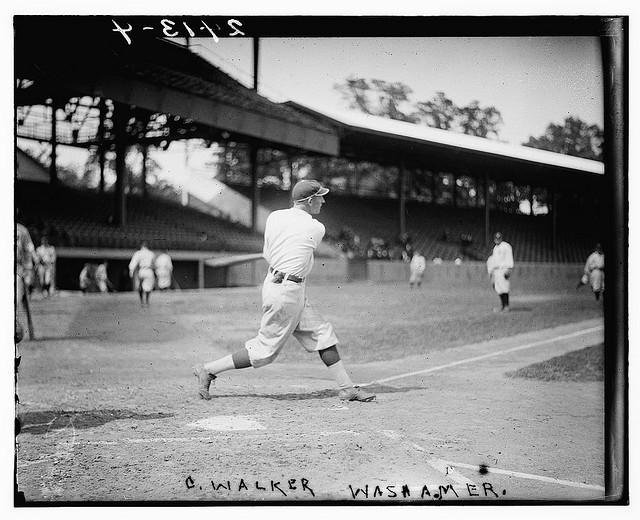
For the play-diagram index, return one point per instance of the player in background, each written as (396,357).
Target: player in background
(164,270)
(291,236)
(25,256)
(499,267)
(594,272)
(46,265)
(102,278)
(141,269)
(85,279)
(417,267)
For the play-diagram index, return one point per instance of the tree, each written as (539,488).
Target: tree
(379,98)
(440,112)
(356,91)
(478,121)
(385,99)
(390,97)
(573,137)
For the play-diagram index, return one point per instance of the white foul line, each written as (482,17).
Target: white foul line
(525,475)
(484,356)
(439,465)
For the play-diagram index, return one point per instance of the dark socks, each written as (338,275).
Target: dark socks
(241,359)
(329,356)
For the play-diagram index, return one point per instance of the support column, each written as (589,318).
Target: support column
(101,144)
(356,178)
(554,219)
(256,62)
(455,191)
(487,238)
(402,188)
(434,193)
(143,174)
(255,191)
(119,123)
(616,311)
(53,167)
(201,273)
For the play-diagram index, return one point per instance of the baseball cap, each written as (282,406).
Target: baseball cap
(306,189)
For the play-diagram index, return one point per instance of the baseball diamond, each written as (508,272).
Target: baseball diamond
(108,412)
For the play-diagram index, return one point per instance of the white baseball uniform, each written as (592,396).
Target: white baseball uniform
(102,277)
(164,270)
(24,260)
(46,256)
(291,236)
(499,264)
(594,269)
(142,262)
(417,266)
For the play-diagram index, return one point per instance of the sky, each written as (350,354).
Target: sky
(531,81)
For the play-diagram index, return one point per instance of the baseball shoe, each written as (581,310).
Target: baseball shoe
(204,381)
(356,394)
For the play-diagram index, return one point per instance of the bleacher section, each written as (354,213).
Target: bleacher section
(531,237)
(77,218)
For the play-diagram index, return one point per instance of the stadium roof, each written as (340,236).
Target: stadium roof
(367,137)
(158,76)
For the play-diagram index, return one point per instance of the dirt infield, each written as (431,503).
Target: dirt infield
(109,412)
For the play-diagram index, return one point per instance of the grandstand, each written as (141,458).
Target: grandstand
(78,218)
(371,217)
(79,223)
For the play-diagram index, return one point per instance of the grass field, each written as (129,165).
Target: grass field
(583,365)
(109,411)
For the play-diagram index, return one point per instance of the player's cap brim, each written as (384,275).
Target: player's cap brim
(322,191)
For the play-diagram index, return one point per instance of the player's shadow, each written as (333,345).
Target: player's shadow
(39,423)
(41,339)
(520,309)
(326,394)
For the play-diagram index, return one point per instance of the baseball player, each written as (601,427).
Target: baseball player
(164,271)
(594,272)
(141,269)
(85,278)
(46,264)
(417,267)
(25,254)
(291,236)
(102,278)
(499,267)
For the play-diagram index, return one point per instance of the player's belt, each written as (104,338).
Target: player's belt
(279,276)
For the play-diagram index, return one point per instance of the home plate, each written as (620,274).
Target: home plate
(227,423)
